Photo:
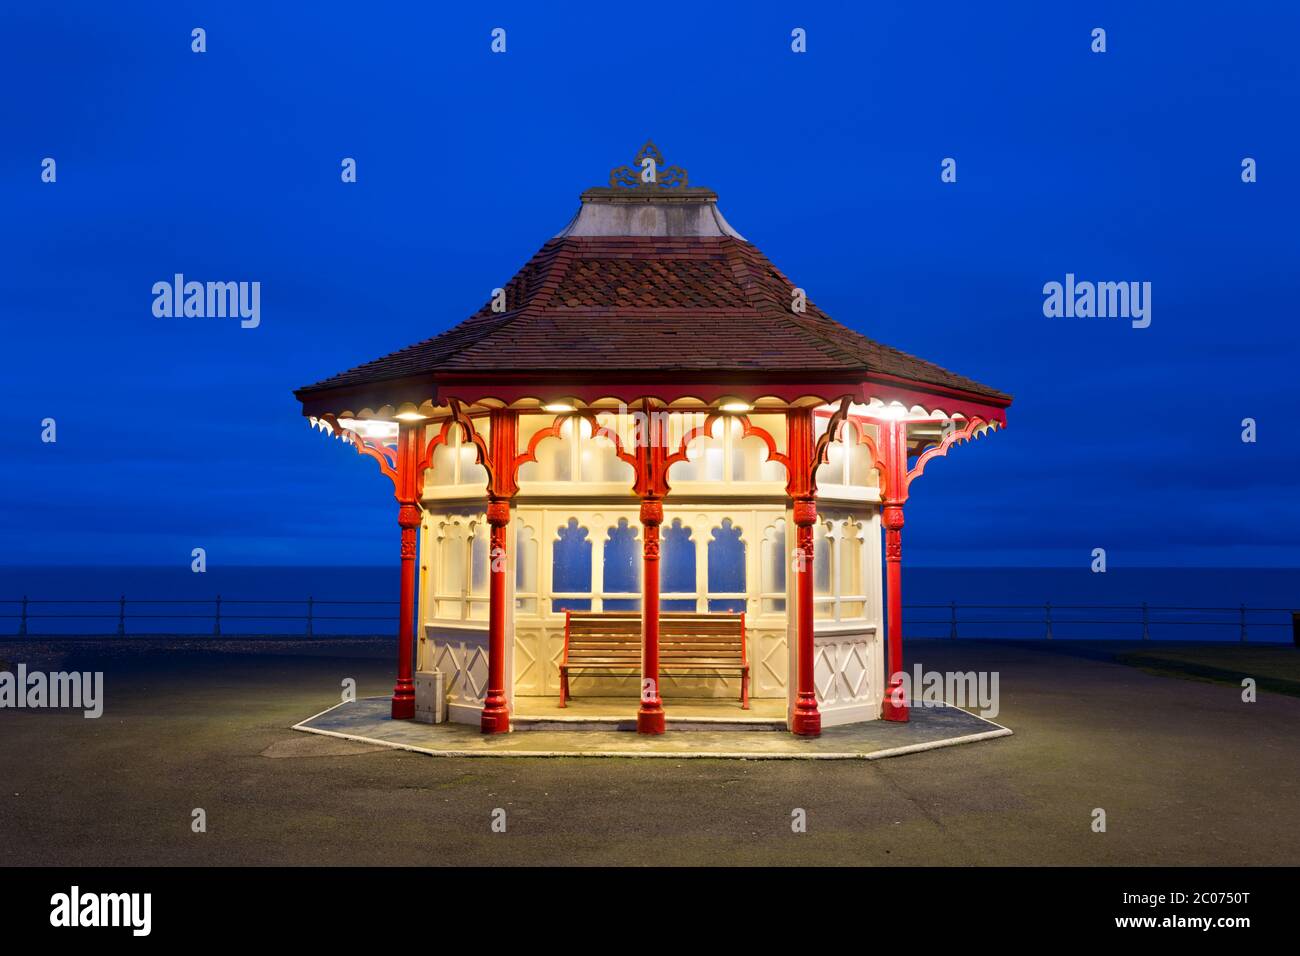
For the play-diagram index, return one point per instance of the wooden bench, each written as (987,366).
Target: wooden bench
(689,644)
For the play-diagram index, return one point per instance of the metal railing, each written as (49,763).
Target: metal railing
(218,612)
(233,616)
(1092,621)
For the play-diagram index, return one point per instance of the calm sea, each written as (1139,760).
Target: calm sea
(1112,601)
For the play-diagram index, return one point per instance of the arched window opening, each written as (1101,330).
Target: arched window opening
(599,461)
(831,471)
(571,568)
(578,453)
(456,584)
(774,562)
(823,574)
(477,598)
(554,457)
(862,473)
(749,459)
(525,557)
(726,579)
(724,454)
(622,568)
(443,470)
(677,568)
(851,599)
(848,460)
(455,461)
(471,472)
(453,555)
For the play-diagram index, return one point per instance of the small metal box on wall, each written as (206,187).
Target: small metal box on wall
(430,697)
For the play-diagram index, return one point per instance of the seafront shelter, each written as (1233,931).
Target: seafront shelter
(651,474)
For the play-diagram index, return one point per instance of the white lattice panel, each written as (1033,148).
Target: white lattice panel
(538,652)
(461,655)
(846,665)
(768,662)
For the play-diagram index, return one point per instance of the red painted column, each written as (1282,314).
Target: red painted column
(407,482)
(807,719)
(496,710)
(408,517)
(895,447)
(650,715)
(895,705)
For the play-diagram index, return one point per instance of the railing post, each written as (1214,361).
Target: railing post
(1146,622)
(1243,623)
(1047,608)
(22,621)
(952,633)
(121,616)
(309,614)
(216,620)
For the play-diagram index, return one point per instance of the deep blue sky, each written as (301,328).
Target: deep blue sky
(1123,166)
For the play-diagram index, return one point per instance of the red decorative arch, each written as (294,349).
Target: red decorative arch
(859,425)
(704,430)
(426,459)
(552,431)
(820,452)
(461,417)
(973,429)
(601,431)
(747,430)
(468,433)
(384,456)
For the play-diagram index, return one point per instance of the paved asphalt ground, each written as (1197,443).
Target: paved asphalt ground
(1186,772)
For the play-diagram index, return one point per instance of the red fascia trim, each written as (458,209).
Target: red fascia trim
(393,392)
(889,388)
(631,392)
(511,388)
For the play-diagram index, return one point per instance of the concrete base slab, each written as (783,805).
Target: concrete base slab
(930,728)
(714,724)
(674,707)
(619,713)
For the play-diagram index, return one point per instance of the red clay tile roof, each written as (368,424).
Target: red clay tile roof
(649,304)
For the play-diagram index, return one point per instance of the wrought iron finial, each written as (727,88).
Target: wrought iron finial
(650,172)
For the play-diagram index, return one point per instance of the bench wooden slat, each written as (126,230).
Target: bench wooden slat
(689,643)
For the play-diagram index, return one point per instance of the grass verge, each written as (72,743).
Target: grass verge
(1275,669)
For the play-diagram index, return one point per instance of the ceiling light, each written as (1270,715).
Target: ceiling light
(370,427)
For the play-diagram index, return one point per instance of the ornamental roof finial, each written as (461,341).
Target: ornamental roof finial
(652,174)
